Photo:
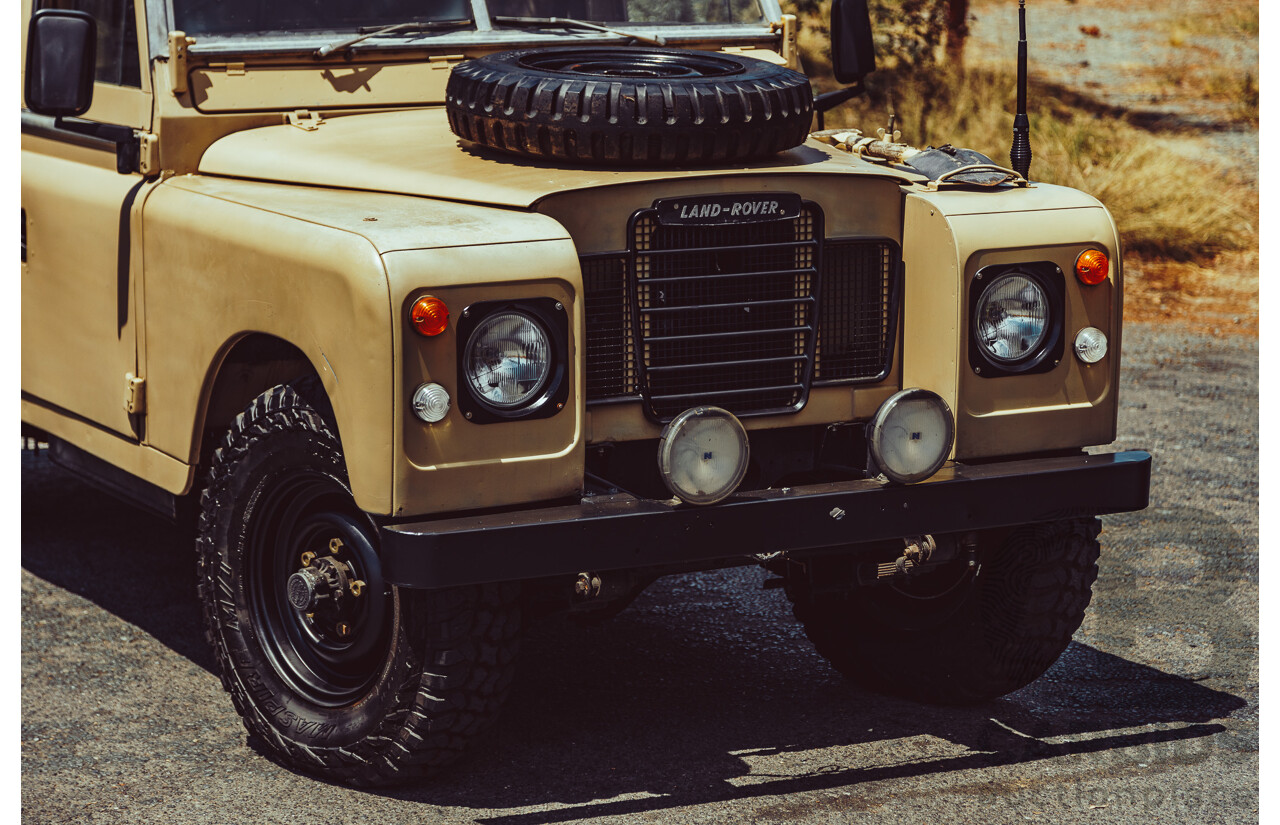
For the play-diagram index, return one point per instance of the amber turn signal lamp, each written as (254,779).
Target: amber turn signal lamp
(1091,266)
(429,316)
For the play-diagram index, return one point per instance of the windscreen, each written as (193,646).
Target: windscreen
(634,11)
(197,17)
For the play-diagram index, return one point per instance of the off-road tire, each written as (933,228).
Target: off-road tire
(442,670)
(629,106)
(996,632)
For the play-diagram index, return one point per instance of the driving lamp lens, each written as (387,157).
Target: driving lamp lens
(703,455)
(1091,345)
(1012,318)
(911,435)
(508,359)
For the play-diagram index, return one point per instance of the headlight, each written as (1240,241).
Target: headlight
(911,435)
(1011,319)
(507,360)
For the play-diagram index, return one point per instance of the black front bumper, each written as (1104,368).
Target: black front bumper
(620,531)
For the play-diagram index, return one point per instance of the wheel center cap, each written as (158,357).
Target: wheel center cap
(302,588)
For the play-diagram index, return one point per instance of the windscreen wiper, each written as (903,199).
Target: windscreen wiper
(570,23)
(365,32)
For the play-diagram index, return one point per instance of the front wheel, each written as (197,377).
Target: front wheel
(335,670)
(966,633)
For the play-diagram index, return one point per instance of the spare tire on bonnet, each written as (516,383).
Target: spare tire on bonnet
(635,106)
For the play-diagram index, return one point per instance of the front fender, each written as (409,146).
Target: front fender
(225,258)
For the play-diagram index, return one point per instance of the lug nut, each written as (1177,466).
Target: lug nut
(335,545)
(357,587)
(307,558)
(344,629)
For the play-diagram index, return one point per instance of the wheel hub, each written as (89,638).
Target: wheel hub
(323,592)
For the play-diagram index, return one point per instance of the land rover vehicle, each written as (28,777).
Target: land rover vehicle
(434,317)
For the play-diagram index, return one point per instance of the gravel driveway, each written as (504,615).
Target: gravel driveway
(703,702)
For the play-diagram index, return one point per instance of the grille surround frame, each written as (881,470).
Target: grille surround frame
(861,275)
(655,404)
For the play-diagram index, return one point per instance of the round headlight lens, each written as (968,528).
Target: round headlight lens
(508,359)
(703,455)
(1011,319)
(911,435)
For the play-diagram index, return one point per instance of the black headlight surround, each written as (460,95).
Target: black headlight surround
(1048,276)
(554,319)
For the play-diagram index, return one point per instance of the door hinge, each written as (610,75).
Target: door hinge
(148,154)
(135,394)
(306,120)
(178,43)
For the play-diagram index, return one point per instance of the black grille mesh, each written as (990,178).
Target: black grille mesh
(725,315)
(855,317)
(611,360)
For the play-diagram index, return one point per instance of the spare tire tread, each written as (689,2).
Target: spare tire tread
(496,102)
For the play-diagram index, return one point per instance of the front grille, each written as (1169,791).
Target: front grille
(725,314)
(730,315)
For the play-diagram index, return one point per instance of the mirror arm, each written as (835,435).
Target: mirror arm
(827,101)
(123,137)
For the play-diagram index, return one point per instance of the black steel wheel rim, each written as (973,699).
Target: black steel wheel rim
(292,517)
(637,63)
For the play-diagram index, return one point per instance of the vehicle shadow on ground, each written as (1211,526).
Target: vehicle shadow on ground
(125,560)
(598,716)
(704,691)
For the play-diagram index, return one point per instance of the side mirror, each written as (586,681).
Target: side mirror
(853,54)
(62,51)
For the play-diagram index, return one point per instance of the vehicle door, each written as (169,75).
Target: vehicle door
(78,322)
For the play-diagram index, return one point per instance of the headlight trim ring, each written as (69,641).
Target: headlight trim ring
(552,391)
(1047,351)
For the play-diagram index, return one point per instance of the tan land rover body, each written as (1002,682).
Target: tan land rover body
(437,320)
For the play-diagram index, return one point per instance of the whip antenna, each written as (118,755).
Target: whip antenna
(1020,153)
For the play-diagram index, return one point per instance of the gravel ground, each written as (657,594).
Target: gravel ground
(703,702)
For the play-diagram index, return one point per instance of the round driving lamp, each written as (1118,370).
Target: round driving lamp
(507,360)
(911,435)
(703,455)
(1011,318)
